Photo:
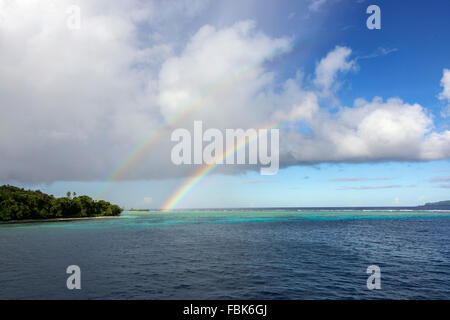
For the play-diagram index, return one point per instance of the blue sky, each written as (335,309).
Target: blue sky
(406,59)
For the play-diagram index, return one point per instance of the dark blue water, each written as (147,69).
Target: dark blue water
(230,255)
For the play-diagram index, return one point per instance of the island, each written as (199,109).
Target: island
(440,205)
(17,204)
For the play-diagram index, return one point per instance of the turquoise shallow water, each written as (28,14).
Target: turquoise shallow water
(237,215)
(226,254)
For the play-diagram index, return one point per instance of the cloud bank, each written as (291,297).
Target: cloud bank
(75,103)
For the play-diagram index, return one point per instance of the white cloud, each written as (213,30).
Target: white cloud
(394,186)
(328,68)
(445,94)
(441,179)
(353,179)
(74,100)
(369,131)
(315,5)
(445,84)
(379,52)
(304,108)
(219,75)
(75,103)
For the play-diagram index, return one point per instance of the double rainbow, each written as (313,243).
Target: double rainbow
(184,189)
(140,150)
(137,153)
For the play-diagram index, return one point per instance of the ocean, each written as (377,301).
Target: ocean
(231,254)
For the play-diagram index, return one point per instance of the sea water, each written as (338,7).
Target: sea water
(231,254)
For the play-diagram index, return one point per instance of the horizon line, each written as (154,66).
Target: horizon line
(286,207)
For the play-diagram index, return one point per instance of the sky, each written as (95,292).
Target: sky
(90,92)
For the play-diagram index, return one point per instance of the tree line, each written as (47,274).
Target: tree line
(19,204)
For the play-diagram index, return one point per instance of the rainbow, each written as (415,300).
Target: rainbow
(140,150)
(184,189)
(137,153)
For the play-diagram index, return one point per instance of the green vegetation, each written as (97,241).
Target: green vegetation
(20,204)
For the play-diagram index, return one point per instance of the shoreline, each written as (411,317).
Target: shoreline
(56,219)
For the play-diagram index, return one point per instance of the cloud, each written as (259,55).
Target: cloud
(328,68)
(315,5)
(369,131)
(76,103)
(378,53)
(394,186)
(445,94)
(359,179)
(445,84)
(219,72)
(440,179)
(444,186)
(224,182)
(64,91)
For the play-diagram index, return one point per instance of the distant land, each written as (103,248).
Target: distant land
(18,204)
(443,205)
(440,205)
